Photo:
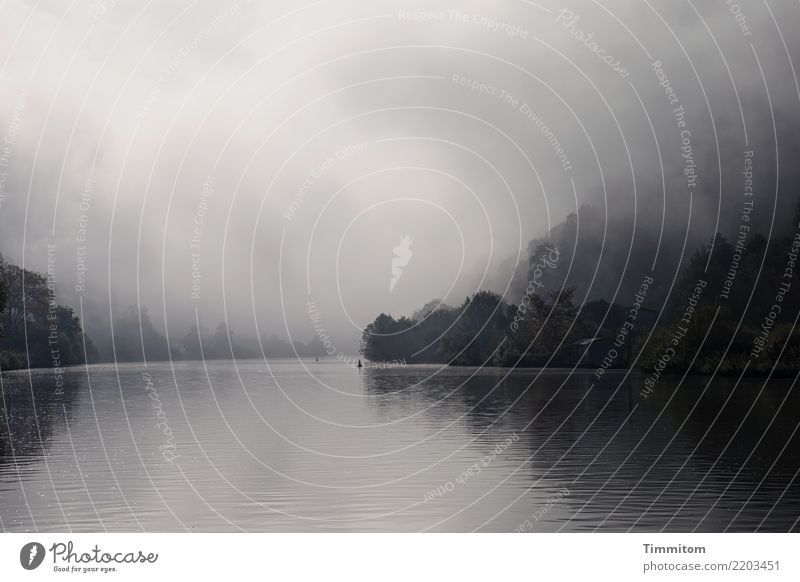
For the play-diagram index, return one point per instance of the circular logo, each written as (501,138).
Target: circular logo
(31,555)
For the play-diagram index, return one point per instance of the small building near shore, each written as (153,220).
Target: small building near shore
(591,352)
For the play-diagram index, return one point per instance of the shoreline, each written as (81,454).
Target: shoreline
(581,370)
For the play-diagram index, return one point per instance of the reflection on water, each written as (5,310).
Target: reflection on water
(323,447)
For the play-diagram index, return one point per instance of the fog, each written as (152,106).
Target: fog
(234,162)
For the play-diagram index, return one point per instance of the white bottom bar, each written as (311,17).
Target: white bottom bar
(402,557)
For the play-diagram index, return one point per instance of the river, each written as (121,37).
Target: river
(291,445)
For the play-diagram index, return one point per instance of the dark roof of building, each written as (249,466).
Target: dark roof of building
(591,340)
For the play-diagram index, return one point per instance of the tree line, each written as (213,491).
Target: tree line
(743,321)
(37,332)
(487,331)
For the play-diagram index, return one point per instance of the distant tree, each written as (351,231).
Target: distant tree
(74,347)
(27,296)
(429,308)
(221,347)
(430,333)
(479,330)
(274,347)
(191,344)
(135,337)
(550,325)
(299,349)
(315,348)
(377,342)
(3,299)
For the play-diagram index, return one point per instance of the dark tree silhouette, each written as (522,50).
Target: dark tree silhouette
(36,331)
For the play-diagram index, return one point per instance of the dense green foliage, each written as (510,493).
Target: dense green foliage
(467,335)
(484,330)
(732,310)
(36,331)
(750,329)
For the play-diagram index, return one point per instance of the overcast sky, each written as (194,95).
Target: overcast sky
(297,143)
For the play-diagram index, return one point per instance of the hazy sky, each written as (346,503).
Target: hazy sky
(263,155)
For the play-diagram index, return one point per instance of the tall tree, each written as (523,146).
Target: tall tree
(36,331)
(550,325)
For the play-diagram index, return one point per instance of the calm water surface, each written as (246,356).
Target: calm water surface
(305,446)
